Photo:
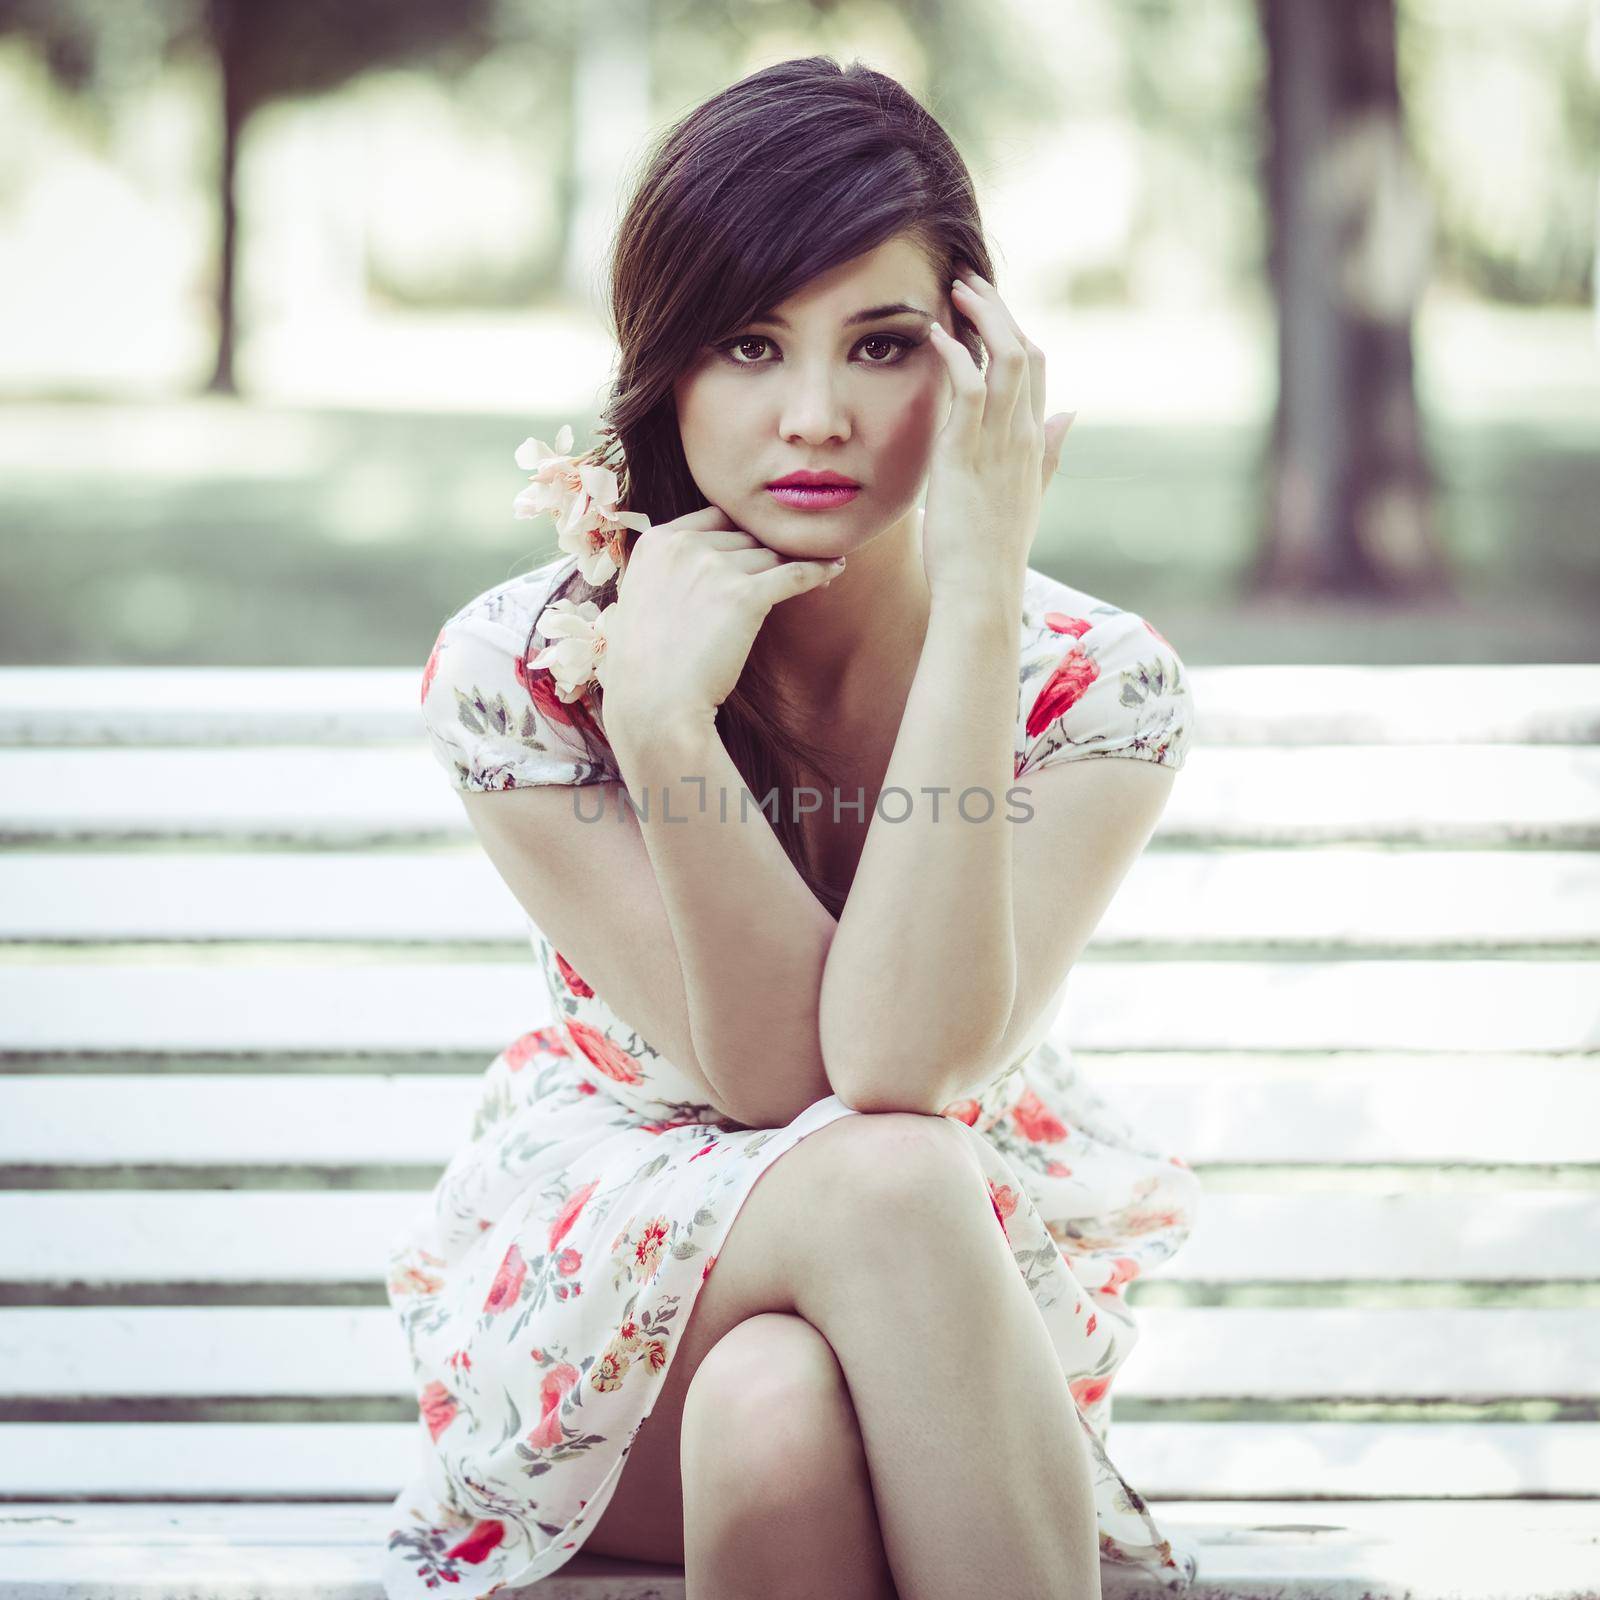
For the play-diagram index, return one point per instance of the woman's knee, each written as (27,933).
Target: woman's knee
(904,1168)
(855,1197)
(768,1424)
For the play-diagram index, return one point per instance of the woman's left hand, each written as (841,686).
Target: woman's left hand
(994,456)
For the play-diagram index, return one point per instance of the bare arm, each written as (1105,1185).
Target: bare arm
(751,938)
(921,974)
(591,888)
(697,930)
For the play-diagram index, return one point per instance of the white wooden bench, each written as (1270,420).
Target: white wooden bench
(231,1069)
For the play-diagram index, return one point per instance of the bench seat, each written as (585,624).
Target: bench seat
(236,905)
(1249,1550)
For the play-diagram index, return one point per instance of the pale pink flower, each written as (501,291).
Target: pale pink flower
(576,655)
(582,497)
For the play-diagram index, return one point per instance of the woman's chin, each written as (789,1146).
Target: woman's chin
(783,542)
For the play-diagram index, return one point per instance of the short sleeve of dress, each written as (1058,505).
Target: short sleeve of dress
(1109,685)
(494,722)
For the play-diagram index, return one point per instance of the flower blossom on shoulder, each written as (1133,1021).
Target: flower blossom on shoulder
(582,497)
(576,658)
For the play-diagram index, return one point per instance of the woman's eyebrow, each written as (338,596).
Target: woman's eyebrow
(871,314)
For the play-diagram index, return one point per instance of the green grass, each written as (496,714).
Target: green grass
(212,532)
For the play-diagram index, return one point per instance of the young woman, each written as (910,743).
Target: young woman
(870,825)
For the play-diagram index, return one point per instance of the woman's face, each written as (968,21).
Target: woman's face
(819,391)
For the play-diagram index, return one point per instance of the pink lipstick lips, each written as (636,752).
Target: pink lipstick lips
(814,491)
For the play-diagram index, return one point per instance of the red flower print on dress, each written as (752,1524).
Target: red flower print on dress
(571,978)
(477,1544)
(540,684)
(1062,689)
(1157,632)
(542,690)
(602,1055)
(522,1050)
(568,1262)
(1087,1390)
(1004,1201)
(609,1371)
(553,1388)
(413,1279)
(1035,1120)
(647,1252)
(1123,1270)
(507,1283)
(1140,1222)
(432,667)
(568,1214)
(1060,622)
(437,1407)
(962,1111)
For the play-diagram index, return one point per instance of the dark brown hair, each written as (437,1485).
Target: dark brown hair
(787,173)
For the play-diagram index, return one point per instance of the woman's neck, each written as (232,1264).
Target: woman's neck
(837,649)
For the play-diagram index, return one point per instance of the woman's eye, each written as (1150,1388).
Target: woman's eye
(896,343)
(739,344)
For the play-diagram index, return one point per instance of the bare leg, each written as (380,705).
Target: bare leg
(978,1462)
(776,1498)
(879,1231)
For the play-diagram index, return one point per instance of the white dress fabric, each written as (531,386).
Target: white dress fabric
(543,1287)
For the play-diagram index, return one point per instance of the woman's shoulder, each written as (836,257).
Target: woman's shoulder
(493,719)
(512,605)
(1096,679)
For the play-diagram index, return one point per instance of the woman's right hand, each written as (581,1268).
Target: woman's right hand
(689,605)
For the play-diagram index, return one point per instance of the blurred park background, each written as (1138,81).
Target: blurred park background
(286,284)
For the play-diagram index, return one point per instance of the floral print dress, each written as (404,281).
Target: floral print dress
(544,1285)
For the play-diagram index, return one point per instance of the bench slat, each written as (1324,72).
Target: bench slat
(1319,900)
(1521,703)
(114,1241)
(1354,1109)
(1376,1355)
(1167,1460)
(340,706)
(1411,1550)
(1468,796)
(404,1006)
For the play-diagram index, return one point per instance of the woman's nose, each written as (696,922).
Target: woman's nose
(814,409)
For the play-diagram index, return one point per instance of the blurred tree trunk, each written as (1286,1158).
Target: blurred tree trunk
(1350,490)
(226,35)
